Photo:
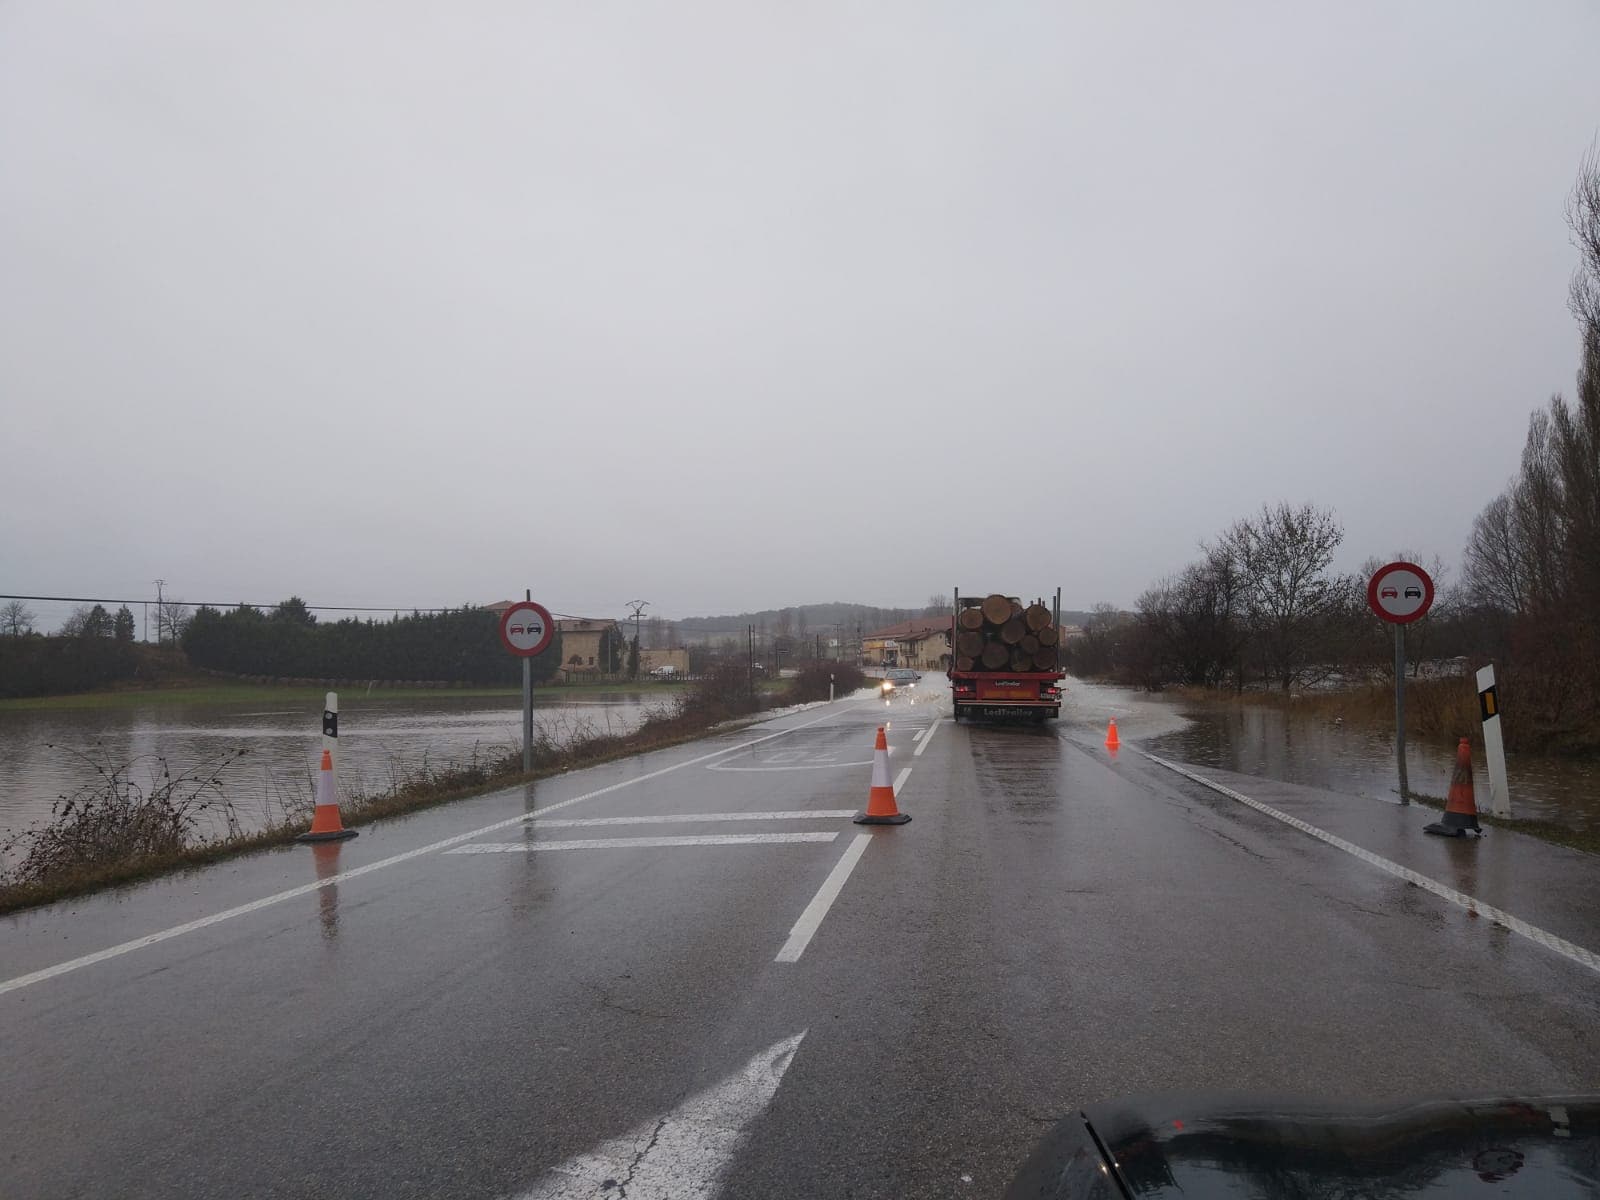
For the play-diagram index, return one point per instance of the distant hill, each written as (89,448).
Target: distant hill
(838,617)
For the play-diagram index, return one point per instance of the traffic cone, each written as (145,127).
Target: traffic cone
(881,809)
(1460,809)
(325,823)
(1111,735)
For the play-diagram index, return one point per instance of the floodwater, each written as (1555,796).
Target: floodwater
(45,754)
(1318,752)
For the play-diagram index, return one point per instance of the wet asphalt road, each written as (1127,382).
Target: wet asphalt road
(1055,926)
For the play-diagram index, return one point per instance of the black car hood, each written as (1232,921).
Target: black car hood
(1205,1147)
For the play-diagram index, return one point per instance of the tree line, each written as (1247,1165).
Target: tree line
(459,645)
(94,648)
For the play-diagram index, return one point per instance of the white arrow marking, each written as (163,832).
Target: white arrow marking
(682,1155)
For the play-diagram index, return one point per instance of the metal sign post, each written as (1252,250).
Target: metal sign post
(1400,710)
(1400,593)
(526,629)
(1494,745)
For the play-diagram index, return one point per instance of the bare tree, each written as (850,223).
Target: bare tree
(16,618)
(1492,568)
(76,623)
(172,618)
(1284,554)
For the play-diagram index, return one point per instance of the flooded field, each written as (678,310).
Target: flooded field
(1278,744)
(48,753)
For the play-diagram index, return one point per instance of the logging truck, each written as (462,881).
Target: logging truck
(1005,657)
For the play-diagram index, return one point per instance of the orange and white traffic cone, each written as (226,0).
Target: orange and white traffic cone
(325,823)
(881,809)
(1461,807)
(1111,735)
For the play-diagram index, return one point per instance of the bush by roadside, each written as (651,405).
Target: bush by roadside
(814,681)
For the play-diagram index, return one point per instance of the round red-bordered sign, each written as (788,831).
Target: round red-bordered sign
(1400,593)
(526,628)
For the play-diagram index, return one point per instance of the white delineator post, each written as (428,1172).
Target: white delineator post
(330,730)
(1494,745)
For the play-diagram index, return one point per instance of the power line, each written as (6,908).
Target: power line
(227,604)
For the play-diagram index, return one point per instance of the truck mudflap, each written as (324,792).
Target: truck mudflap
(975,692)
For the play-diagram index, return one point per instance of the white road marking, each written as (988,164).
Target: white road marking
(797,814)
(920,734)
(681,1155)
(645,843)
(917,753)
(1568,950)
(305,889)
(811,919)
(798,767)
(900,779)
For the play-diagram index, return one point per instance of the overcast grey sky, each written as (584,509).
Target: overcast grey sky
(736,305)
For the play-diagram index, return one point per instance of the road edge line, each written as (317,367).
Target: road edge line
(1543,937)
(927,737)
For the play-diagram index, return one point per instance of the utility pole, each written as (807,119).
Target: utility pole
(638,607)
(160,583)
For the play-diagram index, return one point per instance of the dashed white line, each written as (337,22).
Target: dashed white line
(797,814)
(917,753)
(1567,950)
(811,919)
(152,939)
(646,843)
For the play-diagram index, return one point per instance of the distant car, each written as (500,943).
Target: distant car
(664,672)
(904,677)
(1413,593)
(1389,593)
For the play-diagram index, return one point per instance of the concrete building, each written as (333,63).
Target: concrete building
(928,650)
(584,643)
(889,647)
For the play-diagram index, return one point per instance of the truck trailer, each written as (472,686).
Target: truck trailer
(1005,657)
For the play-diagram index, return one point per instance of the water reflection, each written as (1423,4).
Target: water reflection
(384,740)
(1274,743)
(325,856)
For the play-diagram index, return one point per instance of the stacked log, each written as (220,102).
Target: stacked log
(999,633)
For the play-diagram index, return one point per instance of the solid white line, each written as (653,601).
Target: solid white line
(900,779)
(811,918)
(917,753)
(646,843)
(682,1154)
(1568,950)
(141,943)
(797,814)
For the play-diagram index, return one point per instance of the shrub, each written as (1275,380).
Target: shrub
(813,682)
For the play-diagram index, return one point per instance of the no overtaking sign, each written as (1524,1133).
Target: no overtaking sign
(526,628)
(1400,593)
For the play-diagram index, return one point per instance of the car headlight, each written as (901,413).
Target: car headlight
(887,686)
